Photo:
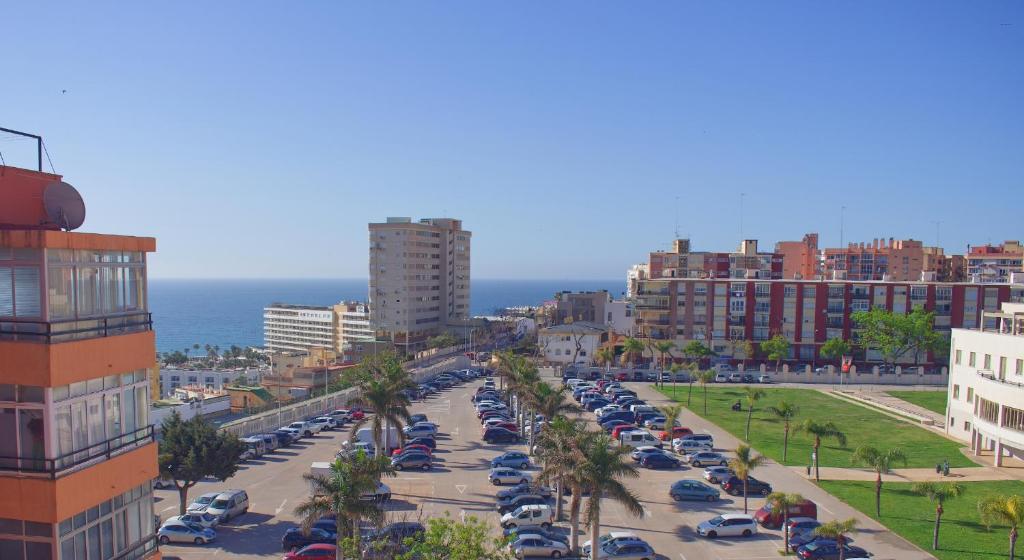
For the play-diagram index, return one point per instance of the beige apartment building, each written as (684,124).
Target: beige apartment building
(419,277)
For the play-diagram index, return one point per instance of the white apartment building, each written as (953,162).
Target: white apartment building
(636,273)
(289,327)
(419,277)
(173,378)
(986,384)
(558,344)
(353,320)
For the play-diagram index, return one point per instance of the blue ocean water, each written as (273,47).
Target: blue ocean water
(226,312)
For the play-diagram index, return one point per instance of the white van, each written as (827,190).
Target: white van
(638,408)
(534,515)
(639,438)
(229,504)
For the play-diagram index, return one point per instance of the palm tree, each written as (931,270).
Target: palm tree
(938,493)
(381,391)
(753,394)
(780,503)
(1004,510)
(820,431)
(549,403)
(632,350)
(743,464)
(880,462)
(663,347)
(561,450)
(605,356)
(786,412)
(340,494)
(705,377)
(603,468)
(671,413)
(675,369)
(837,531)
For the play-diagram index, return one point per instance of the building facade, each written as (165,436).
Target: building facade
(800,259)
(681,262)
(419,277)
(77,451)
(898,260)
(635,274)
(353,319)
(573,343)
(289,327)
(995,263)
(986,384)
(720,312)
(209,379)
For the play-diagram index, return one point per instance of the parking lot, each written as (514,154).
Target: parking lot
(458,484)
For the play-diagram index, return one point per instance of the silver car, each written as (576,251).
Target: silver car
(504,475)
(177,531)
(202,502)
(200,518)
(536,545)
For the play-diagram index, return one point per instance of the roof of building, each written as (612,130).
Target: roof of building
(577,327)
(258,391)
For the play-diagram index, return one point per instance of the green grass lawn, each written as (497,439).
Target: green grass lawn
(862,426)
(962,535)
(934,401)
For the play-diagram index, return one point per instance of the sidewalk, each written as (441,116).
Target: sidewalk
(873,536)
(885,401)
(966,474)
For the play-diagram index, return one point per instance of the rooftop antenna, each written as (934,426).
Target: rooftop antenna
(938,225)
(842,218)
(39,143)
(742,194)
(677,216)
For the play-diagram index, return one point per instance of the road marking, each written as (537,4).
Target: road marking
(408,478)
(280,507)
(461,488)
(168,508)
(462,515)
(826,510)
(683,556)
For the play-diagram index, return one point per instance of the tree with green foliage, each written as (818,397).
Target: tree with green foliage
(780,503)
(605,356)
(671,412)
(746,348)
(549,403)
(191,450)
(444,340)
(450,539)
(340,493)
(695,350)
(776,349)
(742,464)
(632,351)
(838,531)
(894,335)
(939,493)
(1004,510)
(664,348)
(752,395)
(380,388)
(603,468)
(881,462)
(820,431)
(785,412)
(703,378)
(834,349)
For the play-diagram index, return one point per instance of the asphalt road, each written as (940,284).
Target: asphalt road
(458,485)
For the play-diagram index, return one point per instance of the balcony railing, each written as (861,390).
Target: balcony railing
(66,463)
(140,550)
(988,374)
(52,332)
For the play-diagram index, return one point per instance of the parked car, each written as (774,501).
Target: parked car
(801,525)
(519,501)
(294,538)
(615,537)
(418,430)
(285,437)
(426,441)
(270,441)
(721,378)
(692,490)
(325,422)
(734,486)
(618,430)
(728,525)
(202,502)
(656,423)
(381,494)
(639,452)
(501,435)
(523,488)
(800,539)
(747,378)
(717,474)
(514,533)
(536,545)
(314,552)
(829,550)
(659,461)
(178,531)
(768,519)
(688,446)
(417,418)
(638,438)
(306,429)
(228,505)
(764,378)
(413,447)
(411,460)
(627,551)
(611,424)
(505,475)
(512,459)
(529,516)
(702,458)
(676,433)
(340,415)
(200,518)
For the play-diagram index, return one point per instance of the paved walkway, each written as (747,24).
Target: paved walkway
(872,535)
(899,406)
(967,474)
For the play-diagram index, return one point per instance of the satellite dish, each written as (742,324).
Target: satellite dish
(64,206)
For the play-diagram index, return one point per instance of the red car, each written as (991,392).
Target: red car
(677,432)
(314,552)
(414,446)
(622,376)
(511,426)
(621,428)
(357,414)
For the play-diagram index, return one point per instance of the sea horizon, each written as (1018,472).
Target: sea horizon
(229,311)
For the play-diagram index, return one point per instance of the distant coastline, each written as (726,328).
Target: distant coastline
(223,312)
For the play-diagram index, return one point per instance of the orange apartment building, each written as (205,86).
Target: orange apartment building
(894,260)
(800,259)
(77,451)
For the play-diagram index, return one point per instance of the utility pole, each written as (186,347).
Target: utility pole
(741,214)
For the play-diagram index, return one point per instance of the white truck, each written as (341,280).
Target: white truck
(365,435)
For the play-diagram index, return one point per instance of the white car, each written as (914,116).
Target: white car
(528,545)
(728,525)
(764,379)
(721,378)
(504,475)
(202,502)
(534,515)
(325,422)
(687,446)
(305,428)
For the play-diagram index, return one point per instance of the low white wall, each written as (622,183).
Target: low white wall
(189,410)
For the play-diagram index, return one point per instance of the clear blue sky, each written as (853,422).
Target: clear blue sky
(257,139)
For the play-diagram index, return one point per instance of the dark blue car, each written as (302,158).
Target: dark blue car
(659,461)
(595,404)
(829,550)
(293,539)
(425,440)
(500,435)
(609,425)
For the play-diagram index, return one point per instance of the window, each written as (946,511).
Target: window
(988,362)
(971,359)
(988,410)
(967,425)
(114,527)
(956,391)
(958,355)
(970,394)
(1002,367)
(1019,370)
